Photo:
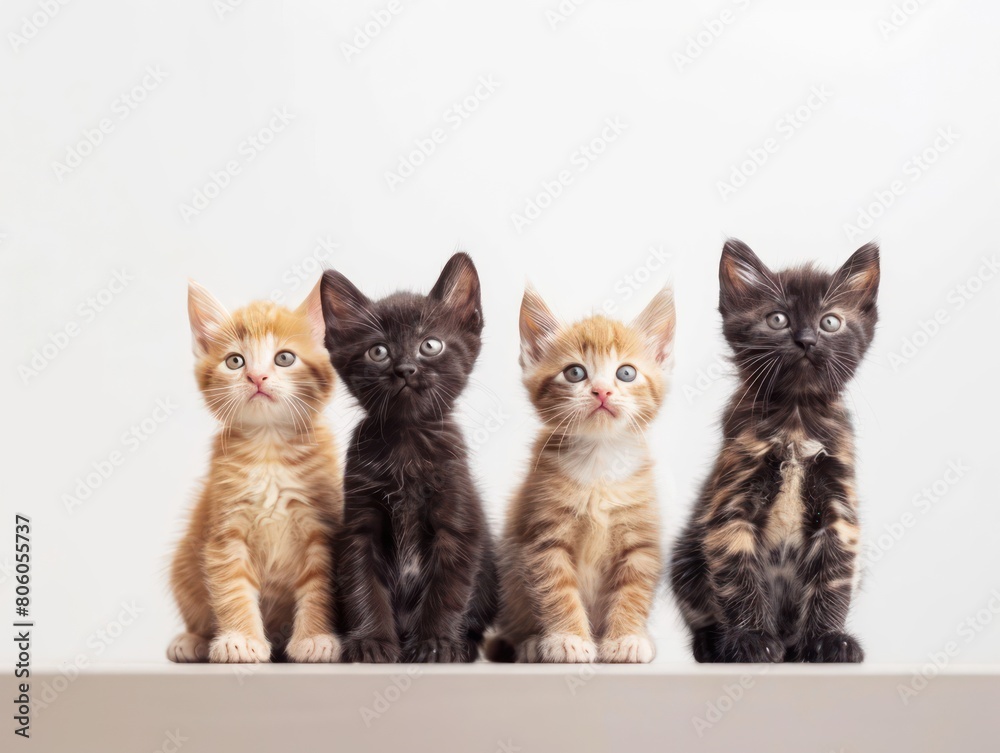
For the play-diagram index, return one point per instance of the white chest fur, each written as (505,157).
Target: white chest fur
(784,525)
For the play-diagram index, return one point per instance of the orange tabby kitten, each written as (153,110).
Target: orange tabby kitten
(253,572)
(581,556)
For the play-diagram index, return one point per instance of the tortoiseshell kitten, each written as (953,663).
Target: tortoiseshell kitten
(417,582)
(767,566)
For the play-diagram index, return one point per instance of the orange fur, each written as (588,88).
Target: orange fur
(581,555)
(253,571)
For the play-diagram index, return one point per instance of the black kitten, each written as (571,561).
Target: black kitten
(417,581)
(767,566)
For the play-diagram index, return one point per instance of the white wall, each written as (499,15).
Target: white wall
(654,186)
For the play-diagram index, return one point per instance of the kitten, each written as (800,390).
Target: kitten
(252,575)
(416,581)
(580,555)
(767,566)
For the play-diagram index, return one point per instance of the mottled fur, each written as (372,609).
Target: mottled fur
(416,580)
(581,552)
(767,566)
(252,574)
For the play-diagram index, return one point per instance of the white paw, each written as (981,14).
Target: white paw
(565,648)
(236,648)
(188,648)
(629,649)
(527,650)
(315,649)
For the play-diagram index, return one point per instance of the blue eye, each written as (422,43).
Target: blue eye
(575,373)
(626,373)
(378,353)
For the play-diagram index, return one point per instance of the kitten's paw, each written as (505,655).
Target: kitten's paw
(370,651)
(751,647)
(314,649)
(236,648)
(188,648)
(436,651)
(628,649)
(565,648)
(832,647)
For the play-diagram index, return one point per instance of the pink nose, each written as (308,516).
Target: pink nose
(602,394)
(257,379)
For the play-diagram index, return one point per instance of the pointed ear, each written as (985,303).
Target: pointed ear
(312,310)
(859,277)
(658,322)
(342,303)
(207,316)
(742,275)
(538,326)
(458,289)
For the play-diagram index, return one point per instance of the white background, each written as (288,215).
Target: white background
(688,127)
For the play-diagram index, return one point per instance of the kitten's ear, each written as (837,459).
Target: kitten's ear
(312,309)
(859,277)
(458,289)
(538,326)
(658,322)
(342,303)
(207,316)
(742,275)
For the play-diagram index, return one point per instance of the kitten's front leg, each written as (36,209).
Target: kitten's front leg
(553,586)
(447,594)
(235,590)
(828,569)
(369,630)
(735,559)
(312,639)
(629,592)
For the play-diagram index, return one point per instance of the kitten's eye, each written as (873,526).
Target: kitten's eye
(830,323)
(575,373)
(431,347)
(378,353)
(285,358)
(777,320)
(235,361)
(626,373)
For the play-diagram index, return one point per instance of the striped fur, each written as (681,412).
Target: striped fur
(580,556)
(766,568)
(252,574)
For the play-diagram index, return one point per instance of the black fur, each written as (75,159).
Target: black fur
(416,579)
